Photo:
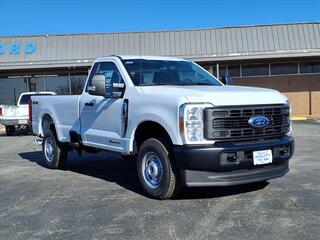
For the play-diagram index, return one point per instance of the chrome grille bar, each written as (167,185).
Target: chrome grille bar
(231,123)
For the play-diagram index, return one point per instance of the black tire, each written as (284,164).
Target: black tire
(157,151)
(10,130)
(129,157)
(56,158)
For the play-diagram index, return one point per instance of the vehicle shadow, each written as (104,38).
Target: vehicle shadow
(17,133)
(112,168)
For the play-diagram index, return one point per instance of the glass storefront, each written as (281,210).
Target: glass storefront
(77,83)
(36,84)
(58,84)
(11,88)
(62,84)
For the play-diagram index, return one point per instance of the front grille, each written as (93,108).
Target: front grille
(231,123)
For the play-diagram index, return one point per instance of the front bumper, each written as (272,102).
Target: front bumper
(205,165)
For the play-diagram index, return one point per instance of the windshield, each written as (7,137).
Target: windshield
(159,72)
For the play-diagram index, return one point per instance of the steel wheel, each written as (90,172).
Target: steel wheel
(152,169)
(49,149)
(156,173)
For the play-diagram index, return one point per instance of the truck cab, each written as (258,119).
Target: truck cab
(182,125)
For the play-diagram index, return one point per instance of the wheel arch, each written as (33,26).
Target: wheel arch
(149,129)
(46,123)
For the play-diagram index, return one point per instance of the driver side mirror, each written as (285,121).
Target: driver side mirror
(226,80)
(99,87)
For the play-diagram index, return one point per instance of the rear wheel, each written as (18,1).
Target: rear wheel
(10,130)
(156,172)
(55,153)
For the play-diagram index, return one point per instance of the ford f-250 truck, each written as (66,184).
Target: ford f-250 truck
(184,126)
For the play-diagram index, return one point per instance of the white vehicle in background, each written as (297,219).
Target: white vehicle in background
(12,116)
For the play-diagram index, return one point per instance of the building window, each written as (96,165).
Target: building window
(11,88)
(58,84)
(310,67)
(255,70)
(222,71)
(77,83)
(284,68)
(234,71)
(214,70)
(206,68)
(36,84)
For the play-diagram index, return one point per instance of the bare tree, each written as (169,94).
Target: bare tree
(77,85)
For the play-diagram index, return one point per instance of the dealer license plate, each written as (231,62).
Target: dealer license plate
(23,121)
(262,157)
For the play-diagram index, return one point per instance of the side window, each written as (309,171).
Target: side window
(92,72)
(109,70)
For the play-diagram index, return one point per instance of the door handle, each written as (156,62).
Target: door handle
(90,104)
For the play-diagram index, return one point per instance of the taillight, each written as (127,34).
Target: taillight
(30,110)
(1,111)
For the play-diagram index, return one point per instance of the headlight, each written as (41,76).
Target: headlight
(191,123)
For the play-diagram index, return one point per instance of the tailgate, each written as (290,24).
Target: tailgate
(9,111)
(14,112)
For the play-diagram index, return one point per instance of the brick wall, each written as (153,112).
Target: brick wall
(302,90)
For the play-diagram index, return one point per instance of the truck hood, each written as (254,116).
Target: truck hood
(219,95)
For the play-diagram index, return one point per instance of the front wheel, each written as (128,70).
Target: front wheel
(54,152)
(156,171)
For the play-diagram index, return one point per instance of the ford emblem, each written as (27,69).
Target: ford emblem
(259,121)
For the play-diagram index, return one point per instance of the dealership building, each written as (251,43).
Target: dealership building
(285,57)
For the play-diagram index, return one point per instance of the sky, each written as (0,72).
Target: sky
(33,17)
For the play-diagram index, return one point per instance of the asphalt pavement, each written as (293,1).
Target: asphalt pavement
(98,197)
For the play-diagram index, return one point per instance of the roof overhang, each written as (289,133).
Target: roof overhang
(198,58)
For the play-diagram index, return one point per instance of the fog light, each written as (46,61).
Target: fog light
(283,151)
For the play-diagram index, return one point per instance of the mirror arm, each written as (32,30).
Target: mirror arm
(116,94)
(118,85)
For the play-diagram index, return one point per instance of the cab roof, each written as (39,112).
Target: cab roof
(128,57)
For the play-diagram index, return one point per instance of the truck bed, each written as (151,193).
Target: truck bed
(64,108)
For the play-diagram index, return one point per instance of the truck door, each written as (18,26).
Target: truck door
(100,116)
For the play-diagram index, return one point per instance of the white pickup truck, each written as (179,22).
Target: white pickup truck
(184,126)
(11,116)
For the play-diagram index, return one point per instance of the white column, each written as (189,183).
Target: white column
(217,68)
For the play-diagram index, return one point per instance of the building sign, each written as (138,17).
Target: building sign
(17,49)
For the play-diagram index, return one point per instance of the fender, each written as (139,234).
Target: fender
(42,116)
(149,117)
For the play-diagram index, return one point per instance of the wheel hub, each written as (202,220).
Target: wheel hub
(49,149)
(152,169)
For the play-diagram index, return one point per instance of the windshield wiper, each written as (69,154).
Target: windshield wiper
(195,83)
(154,84)
(179,84)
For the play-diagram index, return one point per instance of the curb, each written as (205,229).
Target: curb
(304,118)
(298,118)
